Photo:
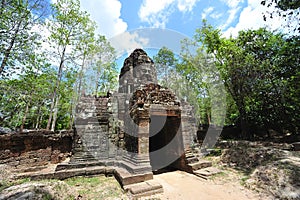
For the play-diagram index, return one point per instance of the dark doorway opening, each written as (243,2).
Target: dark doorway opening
(165,143)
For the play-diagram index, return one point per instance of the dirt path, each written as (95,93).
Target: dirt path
(180,185)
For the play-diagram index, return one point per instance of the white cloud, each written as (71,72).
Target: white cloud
(206,12)
(127,42)
(232,3)
(186,5)
(107,14)
(216,15)
(233,10)
(252,18)
(156,12)
(232,15)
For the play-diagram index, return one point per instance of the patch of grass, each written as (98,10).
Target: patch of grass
(8,183)
(80,180)
(42,194)
(244,179)
(47,197)
(215,152)
(99,187)
(222,175)
(4,185)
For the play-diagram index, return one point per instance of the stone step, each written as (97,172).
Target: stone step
(207,172)
(83,158)
(126,178)
(82,155)
(80,160)
(189,155)
(79,165)
(146,188)
(192,160)
(200,164)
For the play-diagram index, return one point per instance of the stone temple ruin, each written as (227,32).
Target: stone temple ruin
(132,133)
(136,131)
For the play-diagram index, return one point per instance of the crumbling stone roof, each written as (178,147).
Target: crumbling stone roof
(153,94)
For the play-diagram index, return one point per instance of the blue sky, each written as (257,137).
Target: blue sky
(121,21)
(182,18)
(118,16)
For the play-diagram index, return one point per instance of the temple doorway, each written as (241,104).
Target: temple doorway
(165,143)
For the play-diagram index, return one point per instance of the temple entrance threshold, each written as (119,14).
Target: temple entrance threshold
(166,149)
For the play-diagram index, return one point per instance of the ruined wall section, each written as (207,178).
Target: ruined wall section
(189,125)
(96,136)
(35,149)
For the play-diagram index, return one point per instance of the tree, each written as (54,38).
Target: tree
(199,69)
(18,38)
(105,66)
(255,71)
(191,78)
(100,73)
(66,26)
(165,62)
(23,100)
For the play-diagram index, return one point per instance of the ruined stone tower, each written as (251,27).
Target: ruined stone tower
(151,115)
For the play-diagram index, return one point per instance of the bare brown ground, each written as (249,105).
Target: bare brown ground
(180,185)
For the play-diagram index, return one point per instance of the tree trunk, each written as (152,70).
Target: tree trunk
(56,89)
(37,118)
(51,113)
(24,117)
(40,121)
(81,76)
(97,83)
(8,50)
(246,134)
(55,113)
(208,117)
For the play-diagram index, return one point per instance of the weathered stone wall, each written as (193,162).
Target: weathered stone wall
(35,148)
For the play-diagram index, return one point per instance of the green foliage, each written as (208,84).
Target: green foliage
(283,4)
(17,35)
(205,89)
(192,79)
(165,62)
(256,68)
(170,75)
(104,67)
(31,89)
(34,93)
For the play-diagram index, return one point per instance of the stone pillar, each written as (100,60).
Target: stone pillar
(143,135)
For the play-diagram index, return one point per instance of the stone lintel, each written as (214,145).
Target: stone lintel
(168,113)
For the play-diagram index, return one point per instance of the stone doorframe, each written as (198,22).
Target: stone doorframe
(142,118)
